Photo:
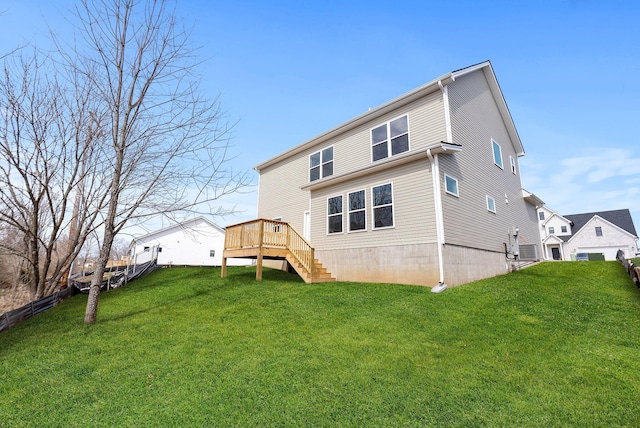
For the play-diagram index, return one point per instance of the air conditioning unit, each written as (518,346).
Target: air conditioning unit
(529,252)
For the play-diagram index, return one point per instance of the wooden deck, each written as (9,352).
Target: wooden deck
(271,239)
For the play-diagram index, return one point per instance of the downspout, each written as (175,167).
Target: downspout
(437,193)
(435,177)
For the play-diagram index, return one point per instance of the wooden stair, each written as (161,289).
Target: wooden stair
(320,273)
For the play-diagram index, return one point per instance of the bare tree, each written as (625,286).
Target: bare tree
(167,143)
(47,140)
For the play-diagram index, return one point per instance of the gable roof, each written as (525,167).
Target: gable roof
(432,86)
(621,218)
(183,225)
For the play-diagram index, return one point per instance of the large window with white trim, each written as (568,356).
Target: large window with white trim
(390,139)
(357,212)
(382,202)
(321,164)
(334,214)
(497,154)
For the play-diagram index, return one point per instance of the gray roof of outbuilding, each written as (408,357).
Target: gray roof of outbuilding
(621,218)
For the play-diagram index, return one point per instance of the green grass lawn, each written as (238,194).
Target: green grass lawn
(557,344)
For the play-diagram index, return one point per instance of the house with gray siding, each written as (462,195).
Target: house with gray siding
(424,189)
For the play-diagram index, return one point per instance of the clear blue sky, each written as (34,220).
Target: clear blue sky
(289,70)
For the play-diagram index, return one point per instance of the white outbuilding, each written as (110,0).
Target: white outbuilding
(196,242)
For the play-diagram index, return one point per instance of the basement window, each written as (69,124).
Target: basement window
(212,253)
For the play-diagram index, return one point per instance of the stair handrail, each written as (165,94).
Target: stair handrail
(271,233)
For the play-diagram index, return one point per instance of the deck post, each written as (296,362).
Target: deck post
(313,263)
(260,244)
(223,269)
(259,267)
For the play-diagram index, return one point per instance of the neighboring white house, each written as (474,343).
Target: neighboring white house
(603,232)
(424,189)
(196,242)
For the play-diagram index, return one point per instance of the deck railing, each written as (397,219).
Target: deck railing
(262,233)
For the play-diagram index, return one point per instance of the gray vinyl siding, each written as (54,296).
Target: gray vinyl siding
(475,121)
(413,208)
(280,193)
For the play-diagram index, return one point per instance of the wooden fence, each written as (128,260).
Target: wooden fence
(630,267)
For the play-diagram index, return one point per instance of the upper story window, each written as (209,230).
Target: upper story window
(357,213)
(541,215)
(563,229)
(497,154)
(598,231)
(552,230)
(451,185)
(334,214)
(513,164)
(491,204)
(390,139)
(382,206)
(321,164)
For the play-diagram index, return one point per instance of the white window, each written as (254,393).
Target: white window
(212,253)
(598,231)
(321,164)
(451,185)
(357,212)
(497,154)
(563,229)
(513,164)
(552,230)
(382,197)
(334,214)
(491,204)
(541,215)
(390,139)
